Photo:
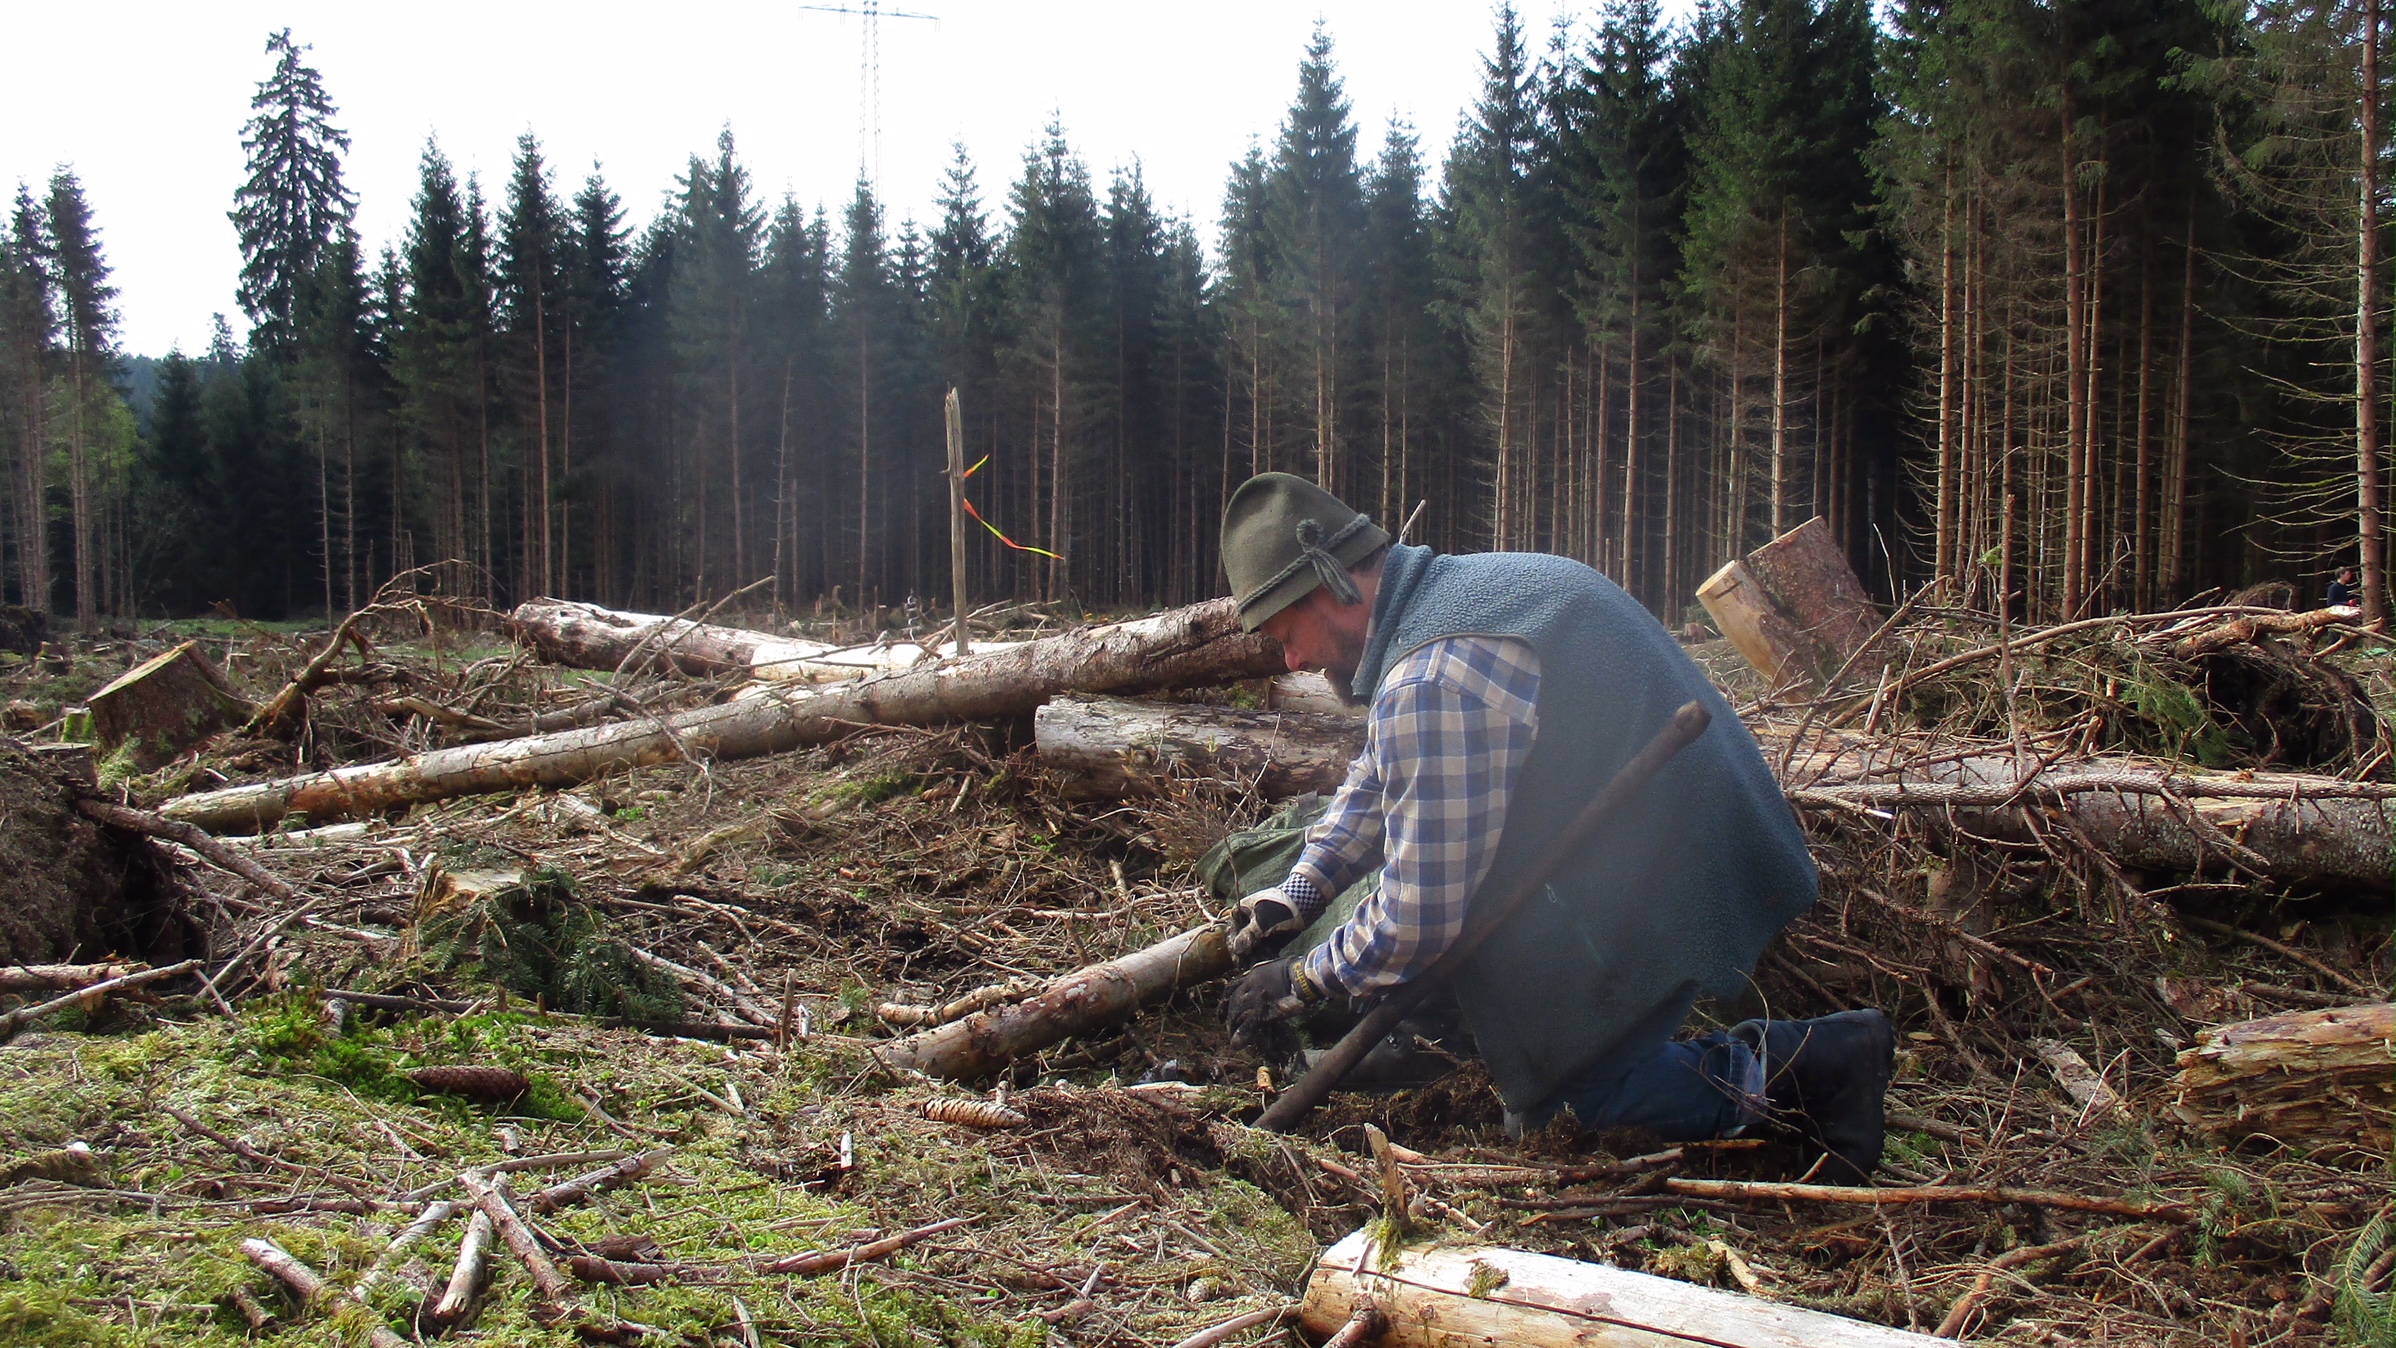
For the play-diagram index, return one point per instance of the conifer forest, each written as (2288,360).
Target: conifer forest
(2080,302)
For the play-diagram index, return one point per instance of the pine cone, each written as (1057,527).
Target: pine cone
(475,1083)
(972,1113)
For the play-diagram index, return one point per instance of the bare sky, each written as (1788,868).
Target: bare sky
(145,101)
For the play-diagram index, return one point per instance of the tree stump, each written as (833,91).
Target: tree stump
(2314,1079)
(164,705)
(1807,575)
(1744,610)
(23,630)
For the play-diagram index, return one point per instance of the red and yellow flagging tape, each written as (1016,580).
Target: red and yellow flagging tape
(994,529)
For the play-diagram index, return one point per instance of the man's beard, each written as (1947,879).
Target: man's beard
(1340,672)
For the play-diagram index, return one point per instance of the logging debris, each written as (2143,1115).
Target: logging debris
(909,868)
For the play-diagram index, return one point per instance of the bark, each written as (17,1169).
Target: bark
(2314,1079)
(2369,509)
(164,705)
(1202,644)
(1118,748)
(1439,1295)
(1087,999)
(1806,573)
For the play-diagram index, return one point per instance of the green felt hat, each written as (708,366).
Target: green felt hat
(1283,536)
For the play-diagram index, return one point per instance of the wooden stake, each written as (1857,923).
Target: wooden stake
(490,1195)
(956,514)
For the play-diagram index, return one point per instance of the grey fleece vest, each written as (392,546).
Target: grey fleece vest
(1684,887)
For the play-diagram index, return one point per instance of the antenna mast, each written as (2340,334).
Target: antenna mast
(869,76)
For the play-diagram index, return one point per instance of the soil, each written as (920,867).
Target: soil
(77,891)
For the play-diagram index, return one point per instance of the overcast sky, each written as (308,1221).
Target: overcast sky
(145,101)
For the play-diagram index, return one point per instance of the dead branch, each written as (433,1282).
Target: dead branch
(826,1261)
(12,1021)
(1749,1190)
(198,840)
(491,1196)
(309,1286)
(467,1274)
(623,1172)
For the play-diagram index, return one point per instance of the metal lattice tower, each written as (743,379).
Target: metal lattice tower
(869,76)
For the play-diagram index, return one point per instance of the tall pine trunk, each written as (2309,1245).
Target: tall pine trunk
(2369,525)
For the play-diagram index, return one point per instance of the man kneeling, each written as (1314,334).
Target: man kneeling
(1505,690)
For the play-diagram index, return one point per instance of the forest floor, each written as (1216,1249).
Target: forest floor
(1129,1204)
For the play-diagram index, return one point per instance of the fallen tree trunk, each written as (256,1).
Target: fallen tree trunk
(1202,644)
(1117,747)
(2296,828)
(1084,1000)
(1449,1296)
(586,636)
(2315,1079)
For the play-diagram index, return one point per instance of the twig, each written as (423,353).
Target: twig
(490,1195)
(435,1213)
(1365,1324)
(2241,933)
(557,1160)
(741,1001)
(625,1171)
(1224,1330)
(12,1021)
(1951,1327)
(1932,1193)
(466,1276)
(191,836)
(46,977)
(825,1261)
(308,1285)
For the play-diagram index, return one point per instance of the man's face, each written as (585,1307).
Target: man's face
(1322,634)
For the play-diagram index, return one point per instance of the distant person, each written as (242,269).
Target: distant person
(2342,591)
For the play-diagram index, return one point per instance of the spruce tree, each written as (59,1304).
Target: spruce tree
(1314,210)
(293,202)
(87,313)
(1053,256)
(532,305)
(28,324)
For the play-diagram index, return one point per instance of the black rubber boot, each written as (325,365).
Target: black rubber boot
(1826,1080)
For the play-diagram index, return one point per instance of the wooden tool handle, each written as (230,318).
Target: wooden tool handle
(1490,913)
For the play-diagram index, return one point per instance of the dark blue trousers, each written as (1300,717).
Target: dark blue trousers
(1685,1090)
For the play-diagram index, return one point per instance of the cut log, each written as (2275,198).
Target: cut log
(1741,606)
(1807,575)
(1202,644)
(586,636)
(164,705)
(2297,828)
(1085,1000)
(1451,1296)
(1118,747)
(2294,828)
(2312,1079)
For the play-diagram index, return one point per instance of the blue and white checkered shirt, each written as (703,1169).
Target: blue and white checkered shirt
(1444,744)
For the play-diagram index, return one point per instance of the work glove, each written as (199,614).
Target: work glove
(1262,923)
(1274,991)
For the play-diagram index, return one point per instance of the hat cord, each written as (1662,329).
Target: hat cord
(1327,569)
